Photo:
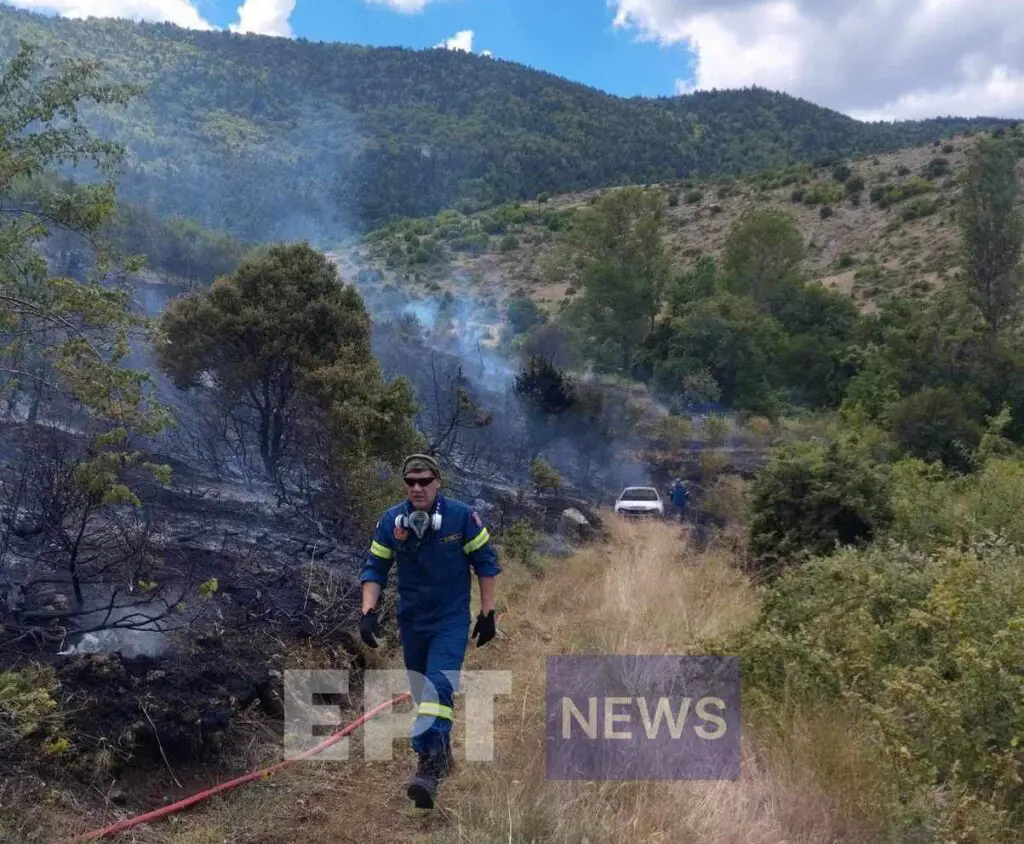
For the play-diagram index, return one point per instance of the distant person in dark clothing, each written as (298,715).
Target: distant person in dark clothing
(679,494)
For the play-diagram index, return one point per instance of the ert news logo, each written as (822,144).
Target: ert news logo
(643,718)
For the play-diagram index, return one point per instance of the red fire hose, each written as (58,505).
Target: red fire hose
(128,823)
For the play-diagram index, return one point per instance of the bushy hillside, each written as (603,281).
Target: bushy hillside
(875,226)
(274,138)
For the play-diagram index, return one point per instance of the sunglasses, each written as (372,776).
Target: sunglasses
(421,482)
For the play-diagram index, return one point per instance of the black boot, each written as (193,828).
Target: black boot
(433,766)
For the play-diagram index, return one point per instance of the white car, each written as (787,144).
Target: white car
(639,501)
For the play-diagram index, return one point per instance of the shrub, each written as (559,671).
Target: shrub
(508,243)
(710,462)
(924,645)
(543,476)
(810,498)
(30,719)
(675,430)
(935,425)
(716,430)
(920,207)
(824,194)
(519,544)
(841,172)
(936,167)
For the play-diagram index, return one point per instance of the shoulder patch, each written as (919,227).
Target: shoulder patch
(477,520)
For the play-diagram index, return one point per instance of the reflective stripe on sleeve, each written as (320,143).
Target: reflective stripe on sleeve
(477,542)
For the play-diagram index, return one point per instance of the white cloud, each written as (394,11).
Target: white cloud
(265,17)
(179,12)
(874,59)
(406,7)
(459,41)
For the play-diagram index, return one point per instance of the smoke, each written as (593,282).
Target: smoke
(456,340)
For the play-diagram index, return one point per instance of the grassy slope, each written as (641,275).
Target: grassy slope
(889,254)
(644,591)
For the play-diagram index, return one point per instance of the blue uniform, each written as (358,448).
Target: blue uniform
(434,588)
(679,496)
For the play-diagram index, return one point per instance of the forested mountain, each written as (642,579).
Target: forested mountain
(273,138)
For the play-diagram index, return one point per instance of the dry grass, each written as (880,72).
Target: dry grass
(806,777)
(646,592)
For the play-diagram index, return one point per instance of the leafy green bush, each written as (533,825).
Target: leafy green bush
(518,544)
(935,424)
(924,645)
(811,497)
(920,207)
(936,167)
(544,477)
(933,507)
(897,193)
(824,194)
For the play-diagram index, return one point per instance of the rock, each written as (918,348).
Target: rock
(578,524)
(573,515)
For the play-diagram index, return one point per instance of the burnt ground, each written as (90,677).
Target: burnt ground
(141,702)
(146,728)
(152,717)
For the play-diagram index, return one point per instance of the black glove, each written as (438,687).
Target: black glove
(368,628)
(484,627)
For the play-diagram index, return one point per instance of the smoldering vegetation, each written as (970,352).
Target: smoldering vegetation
(176,606)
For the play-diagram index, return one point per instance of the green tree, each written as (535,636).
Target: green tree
(992,231)
(623,268)
(699,281)
(64,344)
(53,328)
(284,342)
(727,338)
(762,256)
(523,314)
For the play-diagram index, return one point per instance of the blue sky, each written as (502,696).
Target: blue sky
(572,38)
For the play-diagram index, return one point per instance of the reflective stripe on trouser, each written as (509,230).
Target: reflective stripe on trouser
(436,655)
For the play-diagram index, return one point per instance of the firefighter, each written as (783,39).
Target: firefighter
(680,494)
(437,543)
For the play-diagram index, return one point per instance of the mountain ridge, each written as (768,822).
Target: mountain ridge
(275,138)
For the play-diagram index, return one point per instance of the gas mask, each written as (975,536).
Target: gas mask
(418,521)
